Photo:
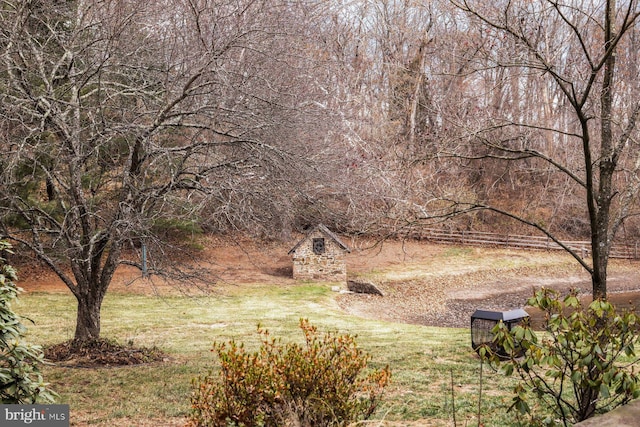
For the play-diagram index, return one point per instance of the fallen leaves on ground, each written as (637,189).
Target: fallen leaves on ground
(100,352)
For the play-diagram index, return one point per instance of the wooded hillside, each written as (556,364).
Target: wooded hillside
(272,116)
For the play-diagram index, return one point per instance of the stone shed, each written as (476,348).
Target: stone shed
(320,255)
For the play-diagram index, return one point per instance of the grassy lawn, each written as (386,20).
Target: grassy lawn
(426,362)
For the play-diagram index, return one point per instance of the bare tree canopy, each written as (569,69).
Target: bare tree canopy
(119,115)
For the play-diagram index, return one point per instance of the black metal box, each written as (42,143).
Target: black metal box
(483,322)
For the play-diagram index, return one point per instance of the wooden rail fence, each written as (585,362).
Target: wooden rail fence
(478,238)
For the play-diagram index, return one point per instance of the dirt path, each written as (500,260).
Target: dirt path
(424,284)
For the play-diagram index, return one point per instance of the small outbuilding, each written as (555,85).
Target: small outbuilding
(320,255)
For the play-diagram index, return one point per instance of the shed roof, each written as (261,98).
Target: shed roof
(324,230)
(500,315)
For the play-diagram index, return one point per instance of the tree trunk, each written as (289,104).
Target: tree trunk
(601,232)
(417,89)
(600,258)
(88,318)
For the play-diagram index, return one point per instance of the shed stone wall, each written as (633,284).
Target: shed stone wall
(330,266)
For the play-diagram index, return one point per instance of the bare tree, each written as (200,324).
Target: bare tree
(122,117)
(569,106)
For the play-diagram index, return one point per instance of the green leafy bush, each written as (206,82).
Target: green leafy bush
(581,366)
(320,383)
(20,378)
